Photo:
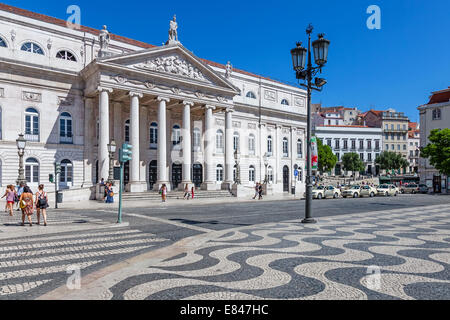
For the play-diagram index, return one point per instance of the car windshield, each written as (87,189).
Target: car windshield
(412,186)
(384,186)
(423,186)
(356,187)
(320,188)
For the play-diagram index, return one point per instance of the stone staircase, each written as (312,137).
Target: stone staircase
(155,196)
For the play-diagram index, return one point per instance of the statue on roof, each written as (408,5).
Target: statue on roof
(228,70)
(173,31)
(104,39)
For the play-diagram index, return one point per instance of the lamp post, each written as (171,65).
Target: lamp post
(266,164)
(299,56)
(112,150)
(237,157)
(21,144)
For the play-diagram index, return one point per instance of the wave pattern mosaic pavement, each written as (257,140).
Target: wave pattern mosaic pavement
(330,260)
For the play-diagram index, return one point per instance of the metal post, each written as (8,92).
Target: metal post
(56,186)
(309,199)
(120,192)
(111,168)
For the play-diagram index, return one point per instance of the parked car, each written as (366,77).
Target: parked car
(368,191)
(423,188)
(318,192)
(410,188)
(387,190)
(354,192)
(332,192)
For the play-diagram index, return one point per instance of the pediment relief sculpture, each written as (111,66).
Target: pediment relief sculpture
(174,64)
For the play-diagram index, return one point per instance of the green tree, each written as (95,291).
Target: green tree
(438,150)
(352,162)
(389,161)
(327,159)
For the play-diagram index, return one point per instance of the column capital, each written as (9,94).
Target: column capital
(104,89)
(135,94)
(166,99)
(208,106)
(229,110)
(188,103)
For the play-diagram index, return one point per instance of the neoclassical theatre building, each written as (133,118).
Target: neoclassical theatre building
(71,92)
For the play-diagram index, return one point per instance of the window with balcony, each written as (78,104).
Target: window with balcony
(32,125)
(65,128)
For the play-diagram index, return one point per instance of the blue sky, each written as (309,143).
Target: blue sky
(395,67)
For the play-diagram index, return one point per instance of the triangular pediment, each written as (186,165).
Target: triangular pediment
(172,61)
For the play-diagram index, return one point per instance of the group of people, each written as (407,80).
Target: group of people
(22,196)
(188,194)
(258,191)
(108,195)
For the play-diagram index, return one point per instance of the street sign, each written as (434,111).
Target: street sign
(126,153)
(296,173)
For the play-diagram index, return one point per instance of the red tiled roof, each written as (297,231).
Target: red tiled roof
(376,112)
(440,96)
(62,23)
(413,126)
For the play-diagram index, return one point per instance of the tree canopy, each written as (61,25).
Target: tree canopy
(388,160)
(438,150)
(327,159)
(352,162)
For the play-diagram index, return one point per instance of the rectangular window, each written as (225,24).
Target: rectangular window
(377,145)
(337,144)
(345,144)
(369,157)
(329,142)
(361,156)
(27,124)
(369,144)
(353,144)
(361,144)
(35,174)
(28,173)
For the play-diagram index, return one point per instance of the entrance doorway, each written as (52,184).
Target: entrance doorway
(437,187)
(197,175)
(338,170)
(177,175)
(153,173)
(286,179)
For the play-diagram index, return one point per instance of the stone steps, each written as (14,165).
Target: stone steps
(155,196)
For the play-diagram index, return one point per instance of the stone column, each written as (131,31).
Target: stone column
(162,144)
(229,150)
(89,132)
(262,150)
(187,146)
(135,184)
(278,155)
(209,183)
(103,154)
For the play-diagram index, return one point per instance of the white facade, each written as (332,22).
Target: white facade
(183,115)
(414,151)
(367,142)
(435,115)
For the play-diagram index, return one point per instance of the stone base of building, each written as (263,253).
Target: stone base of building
(240,191)
(209,186)
(183,184)
(136,187)
(228,186)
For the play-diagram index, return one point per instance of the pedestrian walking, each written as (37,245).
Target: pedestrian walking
(10,195)
(27,205)
(256,191)
(19,193)
(193,192)
(260,191)
(41,205)
(186,192)
(109,193)
(163,193)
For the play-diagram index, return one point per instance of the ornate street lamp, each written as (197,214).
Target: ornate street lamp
(299,55)
(112,150)
(237,158)
(21,144)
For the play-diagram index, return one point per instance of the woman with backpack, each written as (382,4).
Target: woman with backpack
(27,205)
(41,205)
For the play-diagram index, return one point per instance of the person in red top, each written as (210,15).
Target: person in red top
(193,191)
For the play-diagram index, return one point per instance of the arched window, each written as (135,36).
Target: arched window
(285,147)
(285,102)
(31,125)
(32,47)
(251,144)
(270,174)
(65,128)
(251,95)
(236,141)
(3,43)
(66,176)
(251,174)
(66,55)
(269,146)
(154,136)
(219,173)
(127,131)
(219,141)
(32,171)
(197,139)
(299,148)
